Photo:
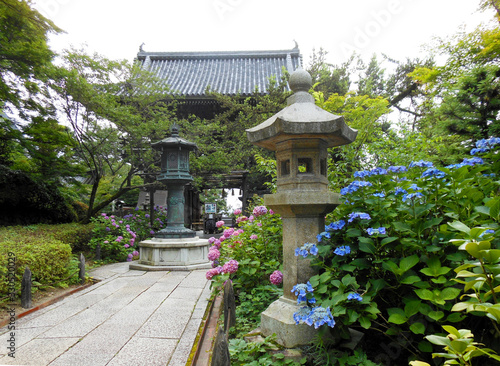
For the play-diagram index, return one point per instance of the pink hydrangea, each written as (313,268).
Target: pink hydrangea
(213,254)
(230,266)
(276,277)
(271,212)
(253,237)
(237,212)
(211,240)
(211,272)
(219,223)
(135,253)
(216,244)
(251,218)
(241,219)
(259,224)
(259,211)
(228,232)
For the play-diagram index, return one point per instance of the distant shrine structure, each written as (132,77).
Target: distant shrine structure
(193,75)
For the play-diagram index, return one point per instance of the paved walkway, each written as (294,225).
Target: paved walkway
(129,318)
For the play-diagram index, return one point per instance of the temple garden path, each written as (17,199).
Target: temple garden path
(130,317)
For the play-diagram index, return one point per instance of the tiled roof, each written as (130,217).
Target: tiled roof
(230,73)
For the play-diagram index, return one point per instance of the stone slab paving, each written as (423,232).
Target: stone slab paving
(128,318)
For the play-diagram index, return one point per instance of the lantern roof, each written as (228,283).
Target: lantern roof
(301,119)
(174,141)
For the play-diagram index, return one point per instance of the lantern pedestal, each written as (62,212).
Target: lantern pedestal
(184,254)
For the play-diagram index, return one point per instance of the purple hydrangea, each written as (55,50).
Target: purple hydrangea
(259,211)
(276,277)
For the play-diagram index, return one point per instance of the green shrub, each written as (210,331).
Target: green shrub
(47,258)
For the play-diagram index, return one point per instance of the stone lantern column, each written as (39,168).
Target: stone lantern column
(300,134)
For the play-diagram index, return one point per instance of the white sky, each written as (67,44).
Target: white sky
(398,28)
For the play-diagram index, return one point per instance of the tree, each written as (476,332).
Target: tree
(462,96)
(327,78)
(115,111)
(362,113)
(24,55)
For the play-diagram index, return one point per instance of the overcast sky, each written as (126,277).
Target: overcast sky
(398,28)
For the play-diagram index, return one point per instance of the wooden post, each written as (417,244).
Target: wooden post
(220,355)
(26,289)
(81,265)
(98,252)
(229,307)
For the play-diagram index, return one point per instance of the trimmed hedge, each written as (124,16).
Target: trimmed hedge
(45,249)
(47,258)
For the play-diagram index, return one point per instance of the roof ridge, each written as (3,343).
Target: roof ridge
(222,54)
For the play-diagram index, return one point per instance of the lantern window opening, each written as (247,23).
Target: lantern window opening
(304,165)
(285,167)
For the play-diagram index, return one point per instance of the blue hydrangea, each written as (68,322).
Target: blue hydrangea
(354,186)
(487,143)
(343,250)
(362,174)
(473,161)
(397,169)
(412,196)
(360,215)
(415,187)
(479,150)
(301,290)
(324,234)
(399,190)
(433,173)
(381,230)
(421,164)
(319,316)
(381,194)
(354,296)
(302,314)
(306,249)
(378,171)
(337,225)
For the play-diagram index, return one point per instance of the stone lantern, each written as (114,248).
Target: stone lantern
(300,134)
(175,175)
(175,247)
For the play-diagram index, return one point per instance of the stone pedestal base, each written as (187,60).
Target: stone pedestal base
(173,255)
(278,318)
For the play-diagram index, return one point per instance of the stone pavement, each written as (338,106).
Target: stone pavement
(129,318)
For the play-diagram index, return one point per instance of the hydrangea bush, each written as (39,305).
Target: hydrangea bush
(249,254)
(119,236)
(386,260)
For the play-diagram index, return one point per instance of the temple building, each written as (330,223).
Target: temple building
(192,76)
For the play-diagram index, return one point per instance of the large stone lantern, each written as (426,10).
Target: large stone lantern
(175,175)
(300,134)
(175,247)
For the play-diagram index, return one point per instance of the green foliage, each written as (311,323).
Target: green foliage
(258,353)
(47,258)
(250,305)
(25,201)
(117,237)
(362,113)
(24,55)
(459,346)
(398,224)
